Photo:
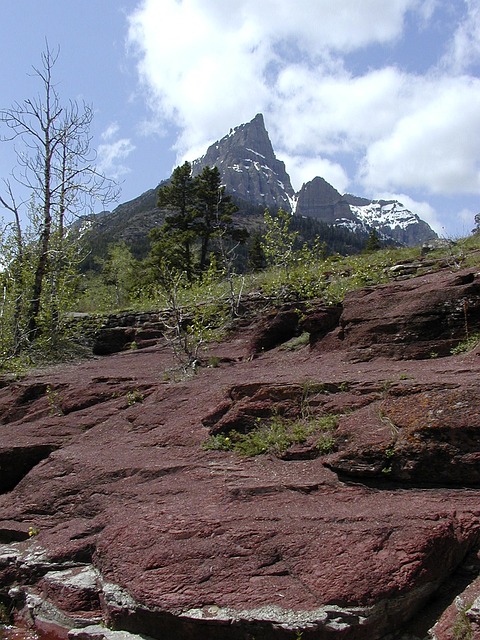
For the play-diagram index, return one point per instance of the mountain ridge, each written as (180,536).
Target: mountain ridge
(257,179)
(250,169)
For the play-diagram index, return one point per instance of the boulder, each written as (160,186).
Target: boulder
(320,320)
(277,328)
(421,317)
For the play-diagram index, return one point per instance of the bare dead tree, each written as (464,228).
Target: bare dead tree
(56,167)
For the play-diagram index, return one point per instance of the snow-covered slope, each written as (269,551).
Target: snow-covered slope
(318,199)
(393,219)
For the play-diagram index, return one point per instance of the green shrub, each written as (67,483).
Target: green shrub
(133,397)
(5,616)
(462,629)
(277,436)
(466,345)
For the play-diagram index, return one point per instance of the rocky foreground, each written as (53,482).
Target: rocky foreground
(114,516)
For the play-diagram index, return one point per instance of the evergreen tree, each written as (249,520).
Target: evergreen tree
(215,210)
(477,224)
(200,218)
(373,242)
(256,255)
(178,233)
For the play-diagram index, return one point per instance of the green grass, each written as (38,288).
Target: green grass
(207,303)
(462,628)
(466,345)
(308,277)
(330,279)
(277,435)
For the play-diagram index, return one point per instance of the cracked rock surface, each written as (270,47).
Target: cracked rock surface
(138,527)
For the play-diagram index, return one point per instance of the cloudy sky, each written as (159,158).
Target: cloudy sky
(379,97)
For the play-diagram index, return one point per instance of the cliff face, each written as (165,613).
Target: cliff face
(249,167)
(318,199)
(113,512)
(251,171)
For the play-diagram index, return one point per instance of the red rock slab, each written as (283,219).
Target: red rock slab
(189,543)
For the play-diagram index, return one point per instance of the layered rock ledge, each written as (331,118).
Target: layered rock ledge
(114,516)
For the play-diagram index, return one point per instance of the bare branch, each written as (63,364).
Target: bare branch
(56,165)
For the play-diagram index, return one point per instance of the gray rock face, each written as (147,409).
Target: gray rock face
(249,167)
(318,199)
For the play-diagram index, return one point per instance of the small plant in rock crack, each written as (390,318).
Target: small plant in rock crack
(54,402)
(133,397)
(462,628)
(5,617)
(466,345)
(214,362)
(277,435)
(325,444)
(389,453)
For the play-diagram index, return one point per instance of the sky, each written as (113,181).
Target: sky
(379,97)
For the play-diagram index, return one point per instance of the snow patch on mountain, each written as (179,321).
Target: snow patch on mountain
(385,213)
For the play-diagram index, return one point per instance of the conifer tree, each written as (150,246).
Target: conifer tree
(373,241)
(256,254)
(176,237)
(215,209)
(200,221)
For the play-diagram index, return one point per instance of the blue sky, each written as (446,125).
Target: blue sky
(379,97)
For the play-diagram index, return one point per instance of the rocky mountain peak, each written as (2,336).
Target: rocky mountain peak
(252,173)
(248,166)
(318,199)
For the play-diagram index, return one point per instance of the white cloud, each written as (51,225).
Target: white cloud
(335,113)
(110,132)
(302,169)
(112,153)
(466,221)
(209,65)
(431,145)
(426,9)
(465,46)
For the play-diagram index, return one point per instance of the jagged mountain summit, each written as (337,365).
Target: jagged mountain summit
(393,219)
(256,179)
(251,171)
(249,167)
